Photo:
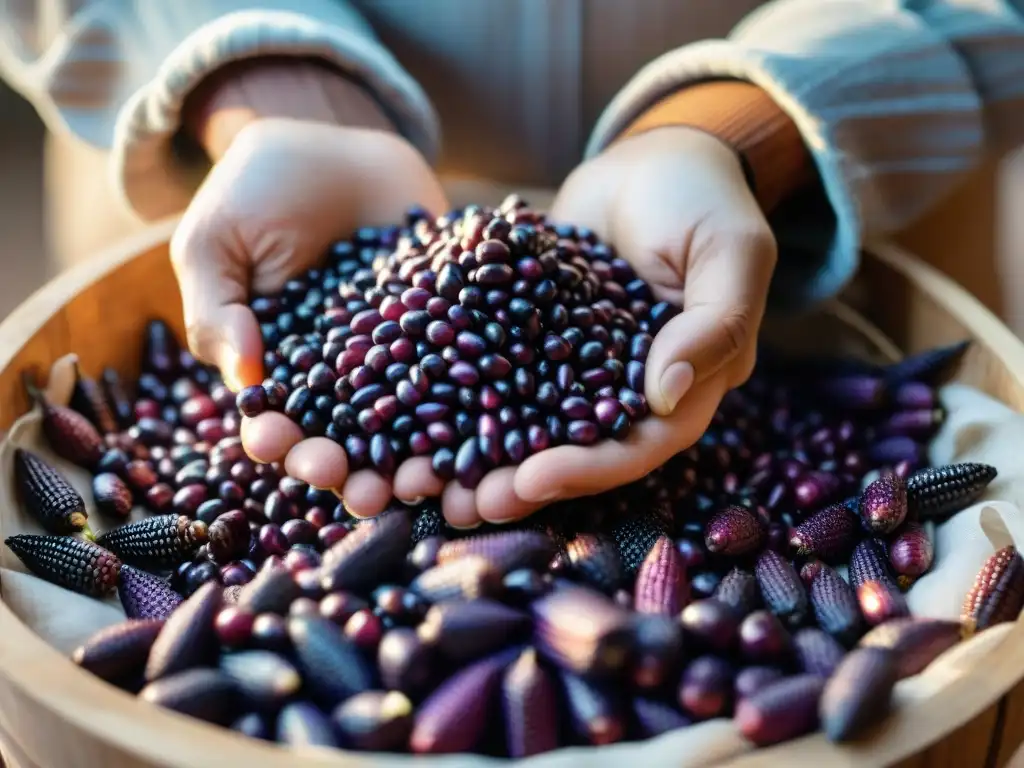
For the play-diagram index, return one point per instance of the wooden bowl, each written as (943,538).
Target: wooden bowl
(53,715)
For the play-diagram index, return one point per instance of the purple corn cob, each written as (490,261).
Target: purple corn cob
(939,492)
(463,631)
(919,424)
(117,397)
(467,578)
(817,652)
(530,705)
(750,680)
(429,522)
(657,650)
(582,631)
(829,534)
(595,560)
(205,694)
(70,434)
(883,505)
(161,541)
(763,639)
(145,596)
(111,495)
(890,451)
(738,589)
(635,536)
(911,551)
(595,713)
(375,721)
(369,555)
(916,642)
(998,592)
(835,606)
(49,497)
(654,718)
(859,694)
(118,653)
(854,392)
(881,602)
(781,589)
(705,690)
(333,666)
(454,717)
(272,590)
(733,531)
(870,562)
(265,679)
(930,366)
(89,400)
(505,551)
(661,585)
(303,724)
(711,624)
(80,566)
(782,711)
(188,639)
(406,663)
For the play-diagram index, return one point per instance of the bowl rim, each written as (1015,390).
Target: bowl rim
(41,675)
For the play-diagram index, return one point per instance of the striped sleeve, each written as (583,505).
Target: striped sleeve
(116,74)
(896,102)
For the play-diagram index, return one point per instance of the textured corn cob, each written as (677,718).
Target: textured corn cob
(911,551)
(661,585)
(428,522)
(738,589)
(635,536)
(69,433)
(938,492)
(733,531)
(781,589)
(530,705)
(49,497)
(505,551)
(463,631)
(111,495)
(859,694)
(870,562)
(829,534)
(370,554)
(835,606)
(817,652)
(998,591)
(468,578)
(118,653)
(162,541)
(145,596)
(80,566)
(930,366)
(883,505)
(881,602)
(595,560)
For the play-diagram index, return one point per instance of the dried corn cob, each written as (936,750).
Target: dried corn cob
(454,717)
(118,653)
(930,366)
(635,536)
(939,492)
(162,541)
(265,679)
(661,585)
(595,560)
(464,631)
(205,694)
(469,578)
(145,596)
(782,711)
(781,589)
(738,589)
(505,551)
(733,531)
(829,534)
(80,566)
(911,551)
(333,667)
(883,505)
(370,554)
(859,694)
(817,652)
(583,631)
(117,397)
(69,433)
(870,562)
(188,638)
(49,497)
(111,495)
(917,642)
(530,706)
(998,591)
(835,606)
(88,399)
(272,590)
(429,522)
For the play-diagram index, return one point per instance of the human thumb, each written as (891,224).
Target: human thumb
(222,331)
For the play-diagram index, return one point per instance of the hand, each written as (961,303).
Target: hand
(675,203)
(282,192)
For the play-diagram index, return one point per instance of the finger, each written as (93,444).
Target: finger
(571,471)
(318,461)
(268,437)
(723,306)
(415,479)
(366,494)
(459,506)
(221,329)
(496,499)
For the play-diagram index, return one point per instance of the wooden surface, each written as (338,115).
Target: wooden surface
(53,715)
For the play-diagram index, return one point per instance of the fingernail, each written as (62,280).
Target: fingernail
(413,501)
(356,515)
(470,527)
(675,382)
(227,362)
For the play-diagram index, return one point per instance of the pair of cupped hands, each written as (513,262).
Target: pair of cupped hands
(673,201)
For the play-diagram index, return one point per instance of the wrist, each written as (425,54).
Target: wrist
(745,118)
(245,92)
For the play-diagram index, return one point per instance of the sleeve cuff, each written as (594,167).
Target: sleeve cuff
(886,108)
(152,180)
